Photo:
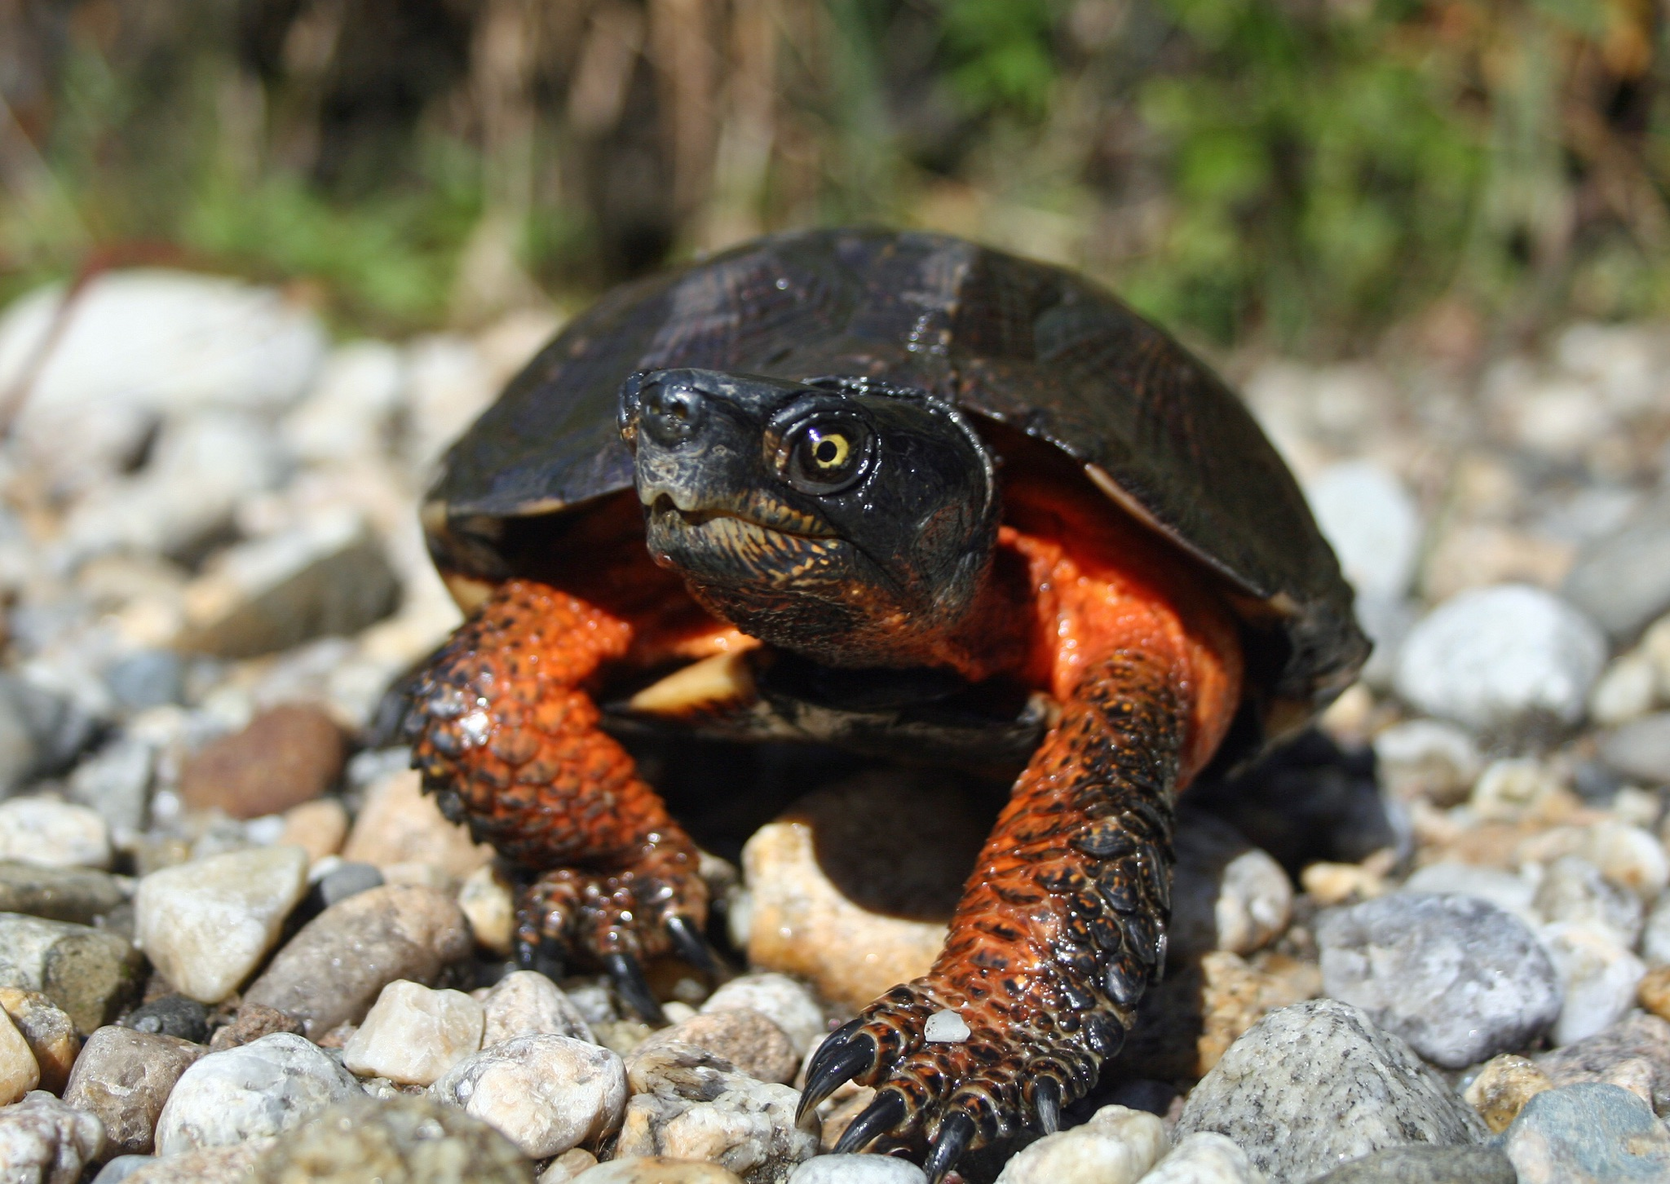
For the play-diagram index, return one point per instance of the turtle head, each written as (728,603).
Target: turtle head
(847,520)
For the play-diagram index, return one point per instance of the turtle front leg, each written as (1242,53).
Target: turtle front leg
(1059,931)
(507,737)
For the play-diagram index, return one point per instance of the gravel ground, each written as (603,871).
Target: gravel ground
(1429,941)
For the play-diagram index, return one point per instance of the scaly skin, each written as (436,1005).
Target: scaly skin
(506,734)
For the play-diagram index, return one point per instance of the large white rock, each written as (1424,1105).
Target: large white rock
(1117,1146)
(1372,524)
(206,925)
(260,1089)
(413,1034)
(1495,657)
(526,1003)
(545,1093)
(137,346)
(46,831)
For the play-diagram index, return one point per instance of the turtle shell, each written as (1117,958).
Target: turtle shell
(1018,342)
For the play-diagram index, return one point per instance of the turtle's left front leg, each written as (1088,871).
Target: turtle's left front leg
(1060,930)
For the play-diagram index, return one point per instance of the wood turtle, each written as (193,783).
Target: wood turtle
(898,492)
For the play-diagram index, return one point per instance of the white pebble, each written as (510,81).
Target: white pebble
(1511,788)
(1598,977)
(1427,758)
(946,1027)
(1205,1157)
(1655,935)
(413,1034)
(207,925)
(1371,522)
(1255,901)
(1492,657)
(1117,1146)
(58,834)
(1625,692)
(544,1093)
(259,1089)
(780,999)
(486,900)
(526,1003)
(43,1141)
(1628,857)
(1509,892)
(857,1169)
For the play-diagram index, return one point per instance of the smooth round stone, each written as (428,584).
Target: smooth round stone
(1319,1084)
(1494,658)
(43,1141)
(261,1089)
(317,827)
(1371,522)
(1427,758)
(656,1169)
(412,1034)
(285,756)
(333,969)
(1507,891)
(122,1167)
(1598,979)
(19,1071)
(1640,749)
(124,1077)
(171,1015)
(348,879)
(1625,691)
(208,924)
(1509,790)
(53,833)
(526,1003)
(1455,976)
(409,1140)
(1588,1134)
(857,1169)
(546,1093)
(1575,891)
(1426,1165)
(1205,1157)
(49,1032)
(77,895)
(1501,1088)
(1226,893)
(1629,858)
(780,999)
(1117,1146)
(1623,580)
(566,1166)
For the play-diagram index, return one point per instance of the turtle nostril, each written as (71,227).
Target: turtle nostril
(670,414)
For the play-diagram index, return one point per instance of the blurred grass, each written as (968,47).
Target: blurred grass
(1303,173)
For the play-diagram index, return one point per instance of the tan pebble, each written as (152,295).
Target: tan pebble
(318,827)
(1236,995)
(1654,992)
(488,902)
(49,1031)
(211,1165)
(19,1072)
(656,1169)
(399,823)
(622,1036)
(421,873)
(742,1036)
(1502,1088)
(1335,883)
(287,755)
(567,1165)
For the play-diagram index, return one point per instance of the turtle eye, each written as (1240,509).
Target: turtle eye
(823,458)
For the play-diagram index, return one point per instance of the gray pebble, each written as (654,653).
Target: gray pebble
(1640,749)
(122,1167)
(43,1141)
(348,879)
(116,781)
(74,894)
(1426,1165)
(1655,934)
(1623,580)
(332,971)
(1318,1084)
(171,1015)
(413,1140)
(264,1088)
(1509,892)
(1588,1134)
(1371,522)
(1499,658)
(1575,890)
(91,973)
(1455,976)
(149,678)
(124,1077)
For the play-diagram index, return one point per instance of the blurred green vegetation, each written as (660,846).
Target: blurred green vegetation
(1306,174)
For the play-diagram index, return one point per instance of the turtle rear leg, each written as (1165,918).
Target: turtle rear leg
(507,736)
(1060,930)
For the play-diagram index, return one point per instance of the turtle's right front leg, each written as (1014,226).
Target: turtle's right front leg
(507,736)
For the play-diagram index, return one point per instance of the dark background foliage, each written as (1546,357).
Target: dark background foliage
(1302,173)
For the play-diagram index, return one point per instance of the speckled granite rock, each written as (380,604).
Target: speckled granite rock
(1426,1165)
(1316,1085)
(408,1140)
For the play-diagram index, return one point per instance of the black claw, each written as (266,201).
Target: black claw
(955,1134)
(692,946)
(631,986)
(881,1115)
(841,1056)
(1046,1100)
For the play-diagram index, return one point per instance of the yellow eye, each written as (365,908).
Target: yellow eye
(830,450)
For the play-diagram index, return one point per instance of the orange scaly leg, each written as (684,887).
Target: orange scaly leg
(506,735)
